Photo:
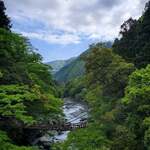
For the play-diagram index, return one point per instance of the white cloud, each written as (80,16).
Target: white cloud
(53,38)
(95,19)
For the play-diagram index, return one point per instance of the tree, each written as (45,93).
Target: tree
(27,90)
(137,103)
(4,19)
(105,80)
(124,45)
(16,54)
(134,44)
(107,69)
(7,144)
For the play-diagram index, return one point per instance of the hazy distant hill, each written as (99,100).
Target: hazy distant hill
(71,70)
(58,64)
(74,68)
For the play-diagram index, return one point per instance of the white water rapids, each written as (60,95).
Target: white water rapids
(74,112)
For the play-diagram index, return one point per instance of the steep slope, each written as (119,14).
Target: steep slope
(134,44)
(75,68)
(70,71)
(58,64)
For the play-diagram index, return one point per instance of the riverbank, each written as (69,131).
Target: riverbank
(74,112)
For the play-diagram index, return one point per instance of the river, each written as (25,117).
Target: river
(74,112)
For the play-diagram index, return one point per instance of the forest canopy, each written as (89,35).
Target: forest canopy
(116,86)
(28,94)
(113,81)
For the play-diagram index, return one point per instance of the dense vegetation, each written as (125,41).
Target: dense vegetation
(116,86)
(5,20)
(135,40)
(115,83)
(28,94)
(74,68)
(59,64)
(76,88)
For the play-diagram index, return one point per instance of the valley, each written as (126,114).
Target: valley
(99,100)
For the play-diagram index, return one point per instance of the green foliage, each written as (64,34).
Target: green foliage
(27,105)
(15,55)
(147,138)
(1,75)
(4,19)
(135,41)
(12,102)
(123,139)
(137,104)
(19,64)
(76,88)
(59,64)
(118,95)
(91,138)
(105,80)
(119,102)
(40,74)
(75,68)
(70,71)
(109,70)
(47,108)
(6,143)
(27,90)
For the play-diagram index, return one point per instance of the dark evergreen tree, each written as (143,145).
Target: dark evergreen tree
(124,45)
(4,19)
(134,44)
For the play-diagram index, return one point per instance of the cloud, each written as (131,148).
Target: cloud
(53,38)
(69,21)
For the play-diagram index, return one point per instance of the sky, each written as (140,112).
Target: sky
(61,29)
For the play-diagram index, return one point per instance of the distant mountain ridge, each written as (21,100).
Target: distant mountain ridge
(74,67)
(58,64)
(70,71)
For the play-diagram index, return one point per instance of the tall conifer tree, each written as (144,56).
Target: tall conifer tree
(4,19)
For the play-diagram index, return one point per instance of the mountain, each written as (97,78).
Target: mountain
(58,64)
(70,71)
(75,68)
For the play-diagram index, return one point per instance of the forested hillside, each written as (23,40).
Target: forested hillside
(114,83)
(116,86)
(134,43)
(75,68)
(28,94)
(58,64)
(70,71)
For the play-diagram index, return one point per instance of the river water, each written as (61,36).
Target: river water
(74,112)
